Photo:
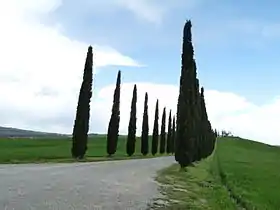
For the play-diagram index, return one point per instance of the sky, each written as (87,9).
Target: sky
(43,45)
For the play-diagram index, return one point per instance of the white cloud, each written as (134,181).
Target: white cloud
(148,10)
(153,11)
(31,97)
(41,68)
(226,111)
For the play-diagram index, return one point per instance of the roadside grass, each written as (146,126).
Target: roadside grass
(251,172)
(197,188)
(58,150)
(241,174)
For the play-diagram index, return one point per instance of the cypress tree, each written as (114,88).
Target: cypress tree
(81,124)
(169,134)
(162,133)
(131,137)
(204,129)
(208,134)
(173,135)
(145,128)
(155,132)
(216,133)
(186,108)
(113,128)
(198,140)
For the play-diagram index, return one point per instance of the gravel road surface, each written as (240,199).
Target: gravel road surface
(114,185)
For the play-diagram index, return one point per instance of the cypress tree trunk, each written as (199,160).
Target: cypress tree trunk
(81,124)
(169,135)
(162,133)
(155,132)
(113,128)
(173,135)
(145,129)
(131,137)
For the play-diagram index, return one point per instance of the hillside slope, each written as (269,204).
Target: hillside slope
(250,170)
(241,174)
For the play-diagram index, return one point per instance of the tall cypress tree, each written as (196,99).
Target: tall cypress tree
(155,132)
(162,133)
(81,124)
(207,132)
(216,132)
(198,140)
(145,128)
(186,107)
(173,135)
(169,135)
(113,128)
(131,137)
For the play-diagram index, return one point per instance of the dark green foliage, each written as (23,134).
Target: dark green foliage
(173,135)
(162,133)
(81,124)
(145,128)
(169,134)
(155,132)
(204,125)
(195,138)
(113,128)
(198,142)
(186,122)
(131,137)
(216,133)
(207,132)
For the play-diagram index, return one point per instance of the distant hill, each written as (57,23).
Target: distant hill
(6,132)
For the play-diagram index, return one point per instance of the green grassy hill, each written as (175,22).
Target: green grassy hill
(45,149)
(241,174)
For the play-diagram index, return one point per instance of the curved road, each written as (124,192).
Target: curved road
(114,185)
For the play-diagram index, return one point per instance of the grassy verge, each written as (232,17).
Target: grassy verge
(198,188)
(58,150)
(241,174)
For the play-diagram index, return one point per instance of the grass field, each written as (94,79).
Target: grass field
(241,174)
(58,150)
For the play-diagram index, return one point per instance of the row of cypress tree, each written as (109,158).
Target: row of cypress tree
(195,138)
(81,124)
(163,142)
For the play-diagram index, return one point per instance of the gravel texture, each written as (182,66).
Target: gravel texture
(114,185)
